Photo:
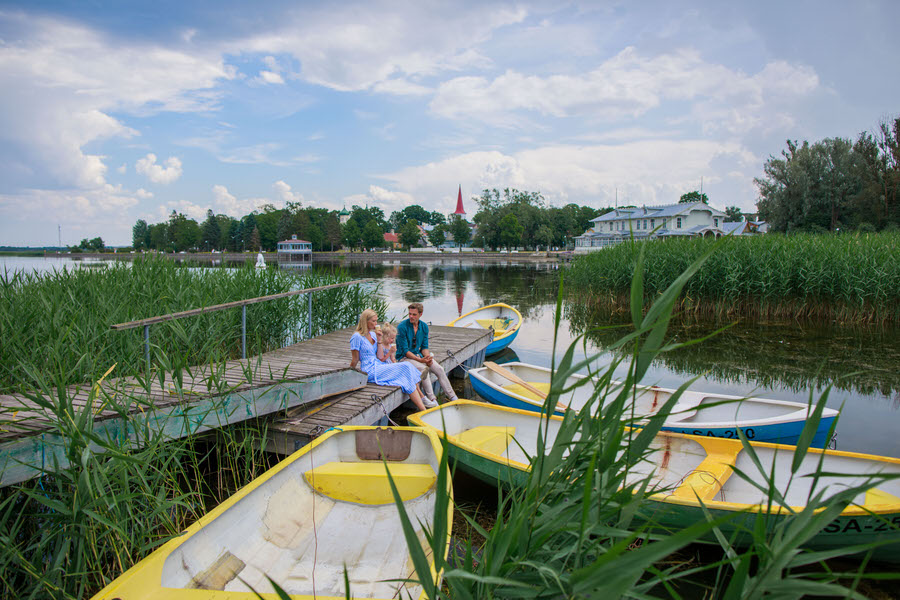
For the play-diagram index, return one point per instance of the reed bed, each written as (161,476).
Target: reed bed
(60,321)
(844,278)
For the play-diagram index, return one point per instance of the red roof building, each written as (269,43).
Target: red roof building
(391,240)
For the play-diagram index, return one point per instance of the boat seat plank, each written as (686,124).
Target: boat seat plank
(491,439)
(706,481)
(367,482)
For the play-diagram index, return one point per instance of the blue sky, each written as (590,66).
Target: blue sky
(117,111)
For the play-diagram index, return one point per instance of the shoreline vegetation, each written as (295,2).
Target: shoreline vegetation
(846,279)
(71,530)
(573,531)
(60,320)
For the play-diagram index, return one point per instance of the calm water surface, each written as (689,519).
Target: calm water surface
(774,360)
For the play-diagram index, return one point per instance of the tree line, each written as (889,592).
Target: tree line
(504,219)
(834,184)
(512,218)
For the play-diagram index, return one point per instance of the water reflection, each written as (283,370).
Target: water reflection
(796,357)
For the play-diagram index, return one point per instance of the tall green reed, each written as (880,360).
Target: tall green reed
(847,278)
(60,321)
(581,525)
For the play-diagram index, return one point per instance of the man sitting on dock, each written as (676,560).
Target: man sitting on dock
(412,347)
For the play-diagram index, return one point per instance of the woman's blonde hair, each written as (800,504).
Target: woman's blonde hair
(362,328)
(388,330)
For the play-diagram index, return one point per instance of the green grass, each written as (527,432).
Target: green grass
(846,278)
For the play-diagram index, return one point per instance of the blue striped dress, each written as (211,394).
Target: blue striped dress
(402,374)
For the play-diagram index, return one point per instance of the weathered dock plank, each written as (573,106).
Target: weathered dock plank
(123,410)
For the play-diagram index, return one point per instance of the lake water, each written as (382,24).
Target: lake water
(773,360)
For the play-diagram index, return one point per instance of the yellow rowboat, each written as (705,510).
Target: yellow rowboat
(496,444)
(326,507)
(503,319)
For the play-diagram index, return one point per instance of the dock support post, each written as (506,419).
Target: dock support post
(244,331)
(147,347)
(309,295)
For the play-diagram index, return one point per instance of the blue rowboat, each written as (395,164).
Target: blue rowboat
(692,477)
(503,319)
(696,413)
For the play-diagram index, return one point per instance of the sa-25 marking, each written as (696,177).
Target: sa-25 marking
(853,525)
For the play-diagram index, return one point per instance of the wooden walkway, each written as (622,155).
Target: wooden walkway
(366,406)
(125,410)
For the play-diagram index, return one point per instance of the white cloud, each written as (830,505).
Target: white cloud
(401,87)
(627,86)
(354,47)
(270,77)
(28,216)
(226,203)
(61,84)
(284,193)
(387,200)
(644,172)
(123,169)
(143,194)
(158,173)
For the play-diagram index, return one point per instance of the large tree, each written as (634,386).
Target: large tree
(694,196)
(437,235)
(210,233)
(373,235)
(510,231)
(409,234)
(351,235)
(413,211)
(184,233)
(460,230)
(733,214)
(140,235)
(332,228)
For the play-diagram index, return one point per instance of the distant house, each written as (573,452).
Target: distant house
(391,240)
(295,253)
(693,219)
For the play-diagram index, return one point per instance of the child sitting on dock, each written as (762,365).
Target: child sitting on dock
(386,345)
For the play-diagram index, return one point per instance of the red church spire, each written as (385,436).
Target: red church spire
(459,207)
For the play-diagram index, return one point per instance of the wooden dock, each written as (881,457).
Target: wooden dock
(124,410)
(368,405)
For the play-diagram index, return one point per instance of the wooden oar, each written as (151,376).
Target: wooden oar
(506,373)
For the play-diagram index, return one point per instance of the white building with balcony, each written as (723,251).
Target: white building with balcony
(294,253)
(693,219)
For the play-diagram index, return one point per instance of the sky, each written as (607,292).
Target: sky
(116,111)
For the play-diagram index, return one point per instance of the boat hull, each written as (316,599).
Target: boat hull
(699,467)
(501,344)
(781,423)
(291,524)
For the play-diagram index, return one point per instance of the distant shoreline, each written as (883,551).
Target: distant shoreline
(318,257)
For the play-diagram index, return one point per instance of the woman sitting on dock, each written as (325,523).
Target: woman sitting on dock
(363,346)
